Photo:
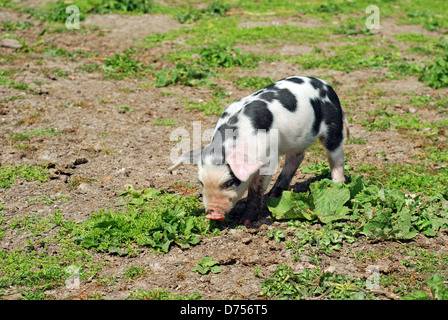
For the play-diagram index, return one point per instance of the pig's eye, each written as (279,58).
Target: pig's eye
(200,182)
(230,184)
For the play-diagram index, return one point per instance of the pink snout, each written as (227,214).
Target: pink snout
(214,214)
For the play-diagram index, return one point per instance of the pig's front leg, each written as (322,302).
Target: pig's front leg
(292,163)
(254,199)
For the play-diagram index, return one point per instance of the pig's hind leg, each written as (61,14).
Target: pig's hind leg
(336,160)
(335,155)
(292,163)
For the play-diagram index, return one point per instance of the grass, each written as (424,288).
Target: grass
(166,122)
(28,134)
(384,120)
(285,284)
(56,11)
(31,269)
(5,79)
(253,83)
(11,173)
(212,106)
(161,294)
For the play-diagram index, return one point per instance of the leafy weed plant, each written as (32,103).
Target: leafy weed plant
(206,265)
(437,286)
(217,8)
(121,66)
(360,207)
(436,73)
(186,74)
(151,218)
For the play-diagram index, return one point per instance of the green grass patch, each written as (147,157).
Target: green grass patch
(212,106)
(161,294)
(5,79)
(27,134)
(380,120)
(121,66)
(349,57)
(56,11)
(228,32)
(254,83)
(196,72)
(435,74)
(166,122)
(135,272)
(285,284)
(2,221)
(35,267)
(193,74)
(10,173)
(416,179)
(437,286)
(215,9)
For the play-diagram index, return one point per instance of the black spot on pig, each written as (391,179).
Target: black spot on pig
(287,99)
(284,96)
(316,103)
(233,119)
(271,86)
(295,80)
(333,97)
(330,113)
(316,83)
(320,86)
(225,131)
(259,114)
(268,96)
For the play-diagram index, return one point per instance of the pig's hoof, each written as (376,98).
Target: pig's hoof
(249,220)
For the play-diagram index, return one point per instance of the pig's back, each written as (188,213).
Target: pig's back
(300,108)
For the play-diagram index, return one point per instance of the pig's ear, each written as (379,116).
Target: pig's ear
(242,165)
(193,156)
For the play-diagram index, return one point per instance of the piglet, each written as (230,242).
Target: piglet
(286,118)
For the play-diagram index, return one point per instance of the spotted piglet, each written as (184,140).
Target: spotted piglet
(286,117)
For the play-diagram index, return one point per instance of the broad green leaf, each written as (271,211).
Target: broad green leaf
(200,269)
(194,240)
(208,262)
(290,206)
(215,269)
(416,295)
(114,249)
(166,246)
(329,199)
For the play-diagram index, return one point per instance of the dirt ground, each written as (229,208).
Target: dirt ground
(105,149)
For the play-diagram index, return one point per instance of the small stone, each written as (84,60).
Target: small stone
(10,43)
